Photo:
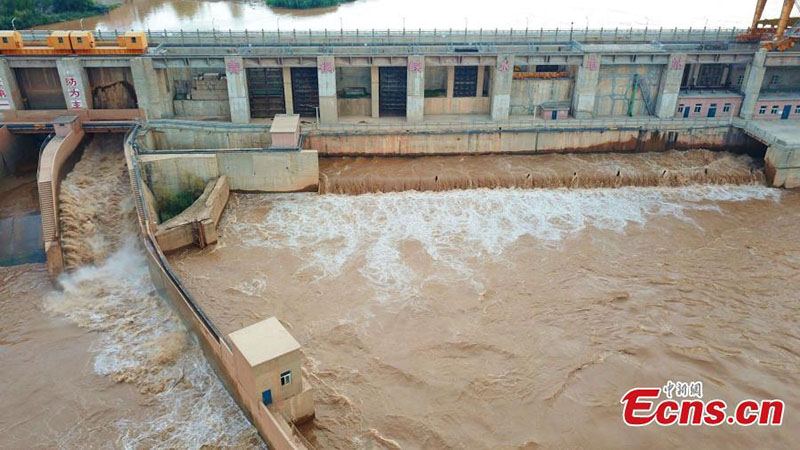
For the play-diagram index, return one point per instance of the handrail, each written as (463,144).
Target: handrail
(419,36)
(524,124)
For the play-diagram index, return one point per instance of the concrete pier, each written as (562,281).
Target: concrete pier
(415,91)
(152,97)
(670,86)
(287,90)
(585,93)
(11,99)
(502,77)
(375,86)
(326,79)
(753,80)
(74,83)
(237,89)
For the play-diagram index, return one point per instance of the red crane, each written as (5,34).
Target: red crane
(775,34)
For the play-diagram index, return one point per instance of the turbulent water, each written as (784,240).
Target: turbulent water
(515,318)
(440,173)
(103,361)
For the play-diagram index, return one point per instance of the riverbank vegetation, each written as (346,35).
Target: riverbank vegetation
(305,4)
(30,13)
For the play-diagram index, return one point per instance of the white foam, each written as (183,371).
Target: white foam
(329,231)
(135,327)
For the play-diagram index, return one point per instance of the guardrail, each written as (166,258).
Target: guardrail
(610,123)
(419,36)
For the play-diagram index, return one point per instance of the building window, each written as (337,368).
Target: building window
(726,107)
(775,109)
(740,80)
(697,108)
(133,39)
(5,40)
(680,108)
(762,110)
(774,80)
(61,40)
(797,109)
(286,378)
(80,40)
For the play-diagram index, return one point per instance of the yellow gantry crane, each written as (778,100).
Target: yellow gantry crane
(776,34)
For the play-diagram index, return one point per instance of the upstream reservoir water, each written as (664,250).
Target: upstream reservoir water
(425,14)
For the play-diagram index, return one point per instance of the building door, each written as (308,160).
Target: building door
(392,92)
(712,110)
(786,111)
(686,112)
(266,397)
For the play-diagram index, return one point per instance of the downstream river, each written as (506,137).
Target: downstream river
(515,318)
(425,14)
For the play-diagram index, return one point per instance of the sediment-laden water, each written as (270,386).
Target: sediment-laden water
(346,175)
(102,361)
(515,318)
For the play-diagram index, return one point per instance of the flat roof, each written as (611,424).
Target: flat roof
(709,93)
(285,123)
(64,119)
(789,96)
(264,341)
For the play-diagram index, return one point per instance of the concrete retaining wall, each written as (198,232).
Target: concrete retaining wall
(457,105)
(48,115)
(9,153)
(49,177)
(526,141)
(177,135)
(198,224)
(217,109)
(355,107)
(527,95)
(220,353)
(259,171)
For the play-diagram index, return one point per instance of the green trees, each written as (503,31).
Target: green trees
(304,4)
(30,13)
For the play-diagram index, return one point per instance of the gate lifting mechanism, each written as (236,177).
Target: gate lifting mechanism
(775,34)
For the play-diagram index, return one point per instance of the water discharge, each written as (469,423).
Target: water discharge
(514,318)
(129,375)
(439,173)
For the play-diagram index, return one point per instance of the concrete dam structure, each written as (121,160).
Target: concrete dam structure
(217,113)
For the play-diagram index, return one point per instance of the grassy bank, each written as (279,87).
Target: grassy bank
(304,4)
(31,13)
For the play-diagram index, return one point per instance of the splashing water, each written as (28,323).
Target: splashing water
(331,229)
(142,342)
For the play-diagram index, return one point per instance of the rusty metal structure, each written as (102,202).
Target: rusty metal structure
(72,42)
(775,34)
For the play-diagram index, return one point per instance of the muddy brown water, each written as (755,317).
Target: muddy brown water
(359,175)
(504,318)
(102,361)
(412,15)
(516,318)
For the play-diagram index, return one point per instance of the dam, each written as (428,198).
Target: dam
(413,238)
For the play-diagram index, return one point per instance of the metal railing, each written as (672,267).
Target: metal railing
(419,36)
(433,125)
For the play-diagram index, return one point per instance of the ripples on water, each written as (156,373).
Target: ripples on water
(329,230)
(506,318)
